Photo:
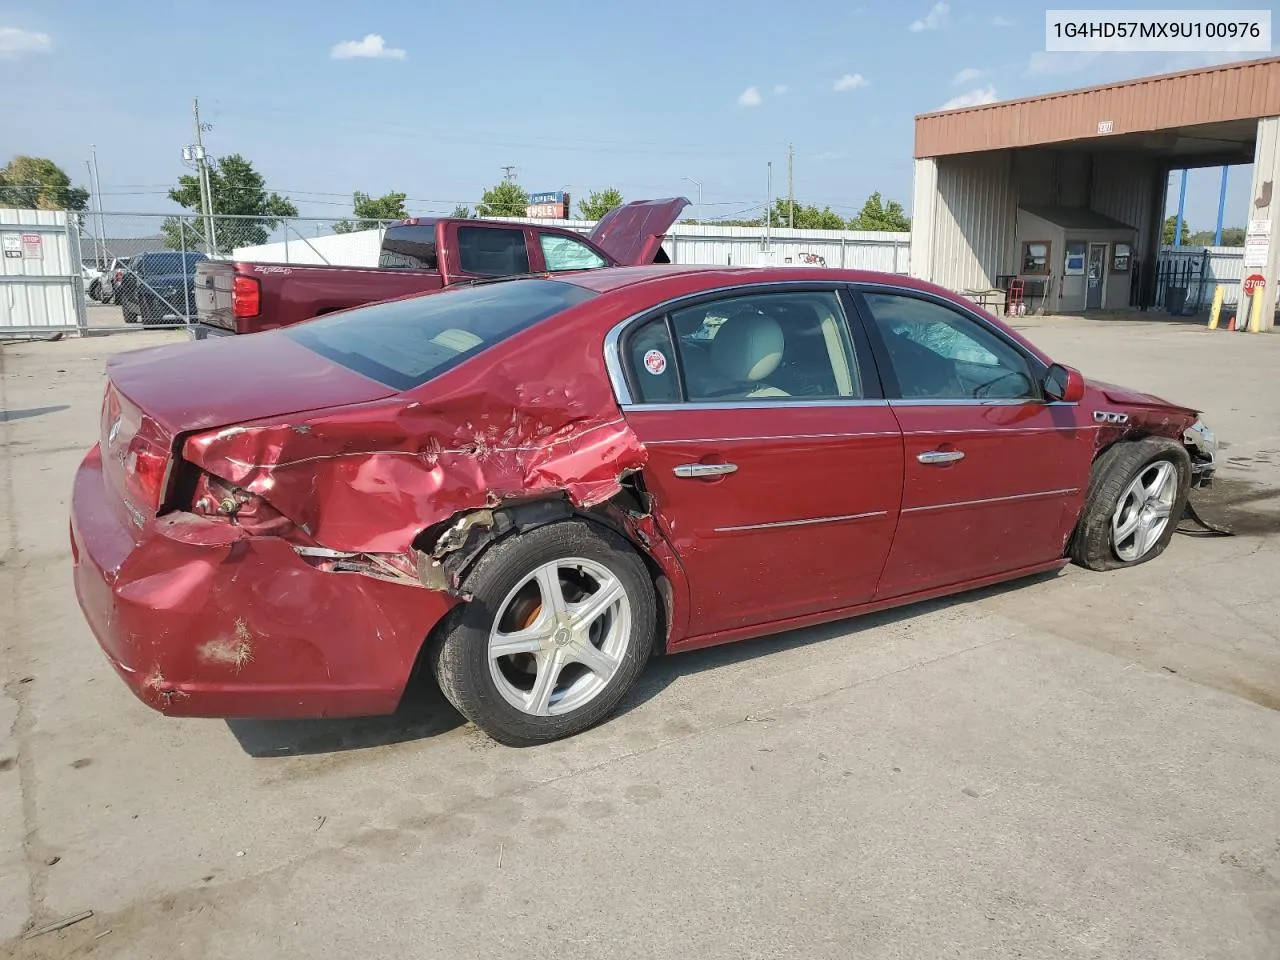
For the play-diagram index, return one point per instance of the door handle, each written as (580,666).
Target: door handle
(705,469)
(940,456)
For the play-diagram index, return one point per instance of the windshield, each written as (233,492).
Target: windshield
(404,343)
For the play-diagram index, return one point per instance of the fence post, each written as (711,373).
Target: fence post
(78,293)
(843,245)
(186,287)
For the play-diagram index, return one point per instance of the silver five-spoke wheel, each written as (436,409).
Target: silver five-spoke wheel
(559,637)
(1143,510)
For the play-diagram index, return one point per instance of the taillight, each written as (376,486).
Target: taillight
(119,275)
(146,470)
(246,296)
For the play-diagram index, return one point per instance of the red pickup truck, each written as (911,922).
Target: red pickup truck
(421,255)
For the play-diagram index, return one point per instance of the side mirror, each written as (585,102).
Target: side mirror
(1064,384)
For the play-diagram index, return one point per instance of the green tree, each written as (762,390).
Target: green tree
(461,212)
(803,217)
(599,202)
(237,190)
(34,183)
(1171,224)
(372,211)
(506,199)
(877,215)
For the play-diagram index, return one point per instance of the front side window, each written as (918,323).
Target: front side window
(939,353)
(492,251)
(565,253)
(405,343)
(774,346)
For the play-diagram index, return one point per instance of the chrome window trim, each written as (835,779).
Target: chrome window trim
(975,503)
(963,402)
(613,354)
(749,405)
(803,523)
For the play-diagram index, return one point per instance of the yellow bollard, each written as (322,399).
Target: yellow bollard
(1218,293)
(1255,310)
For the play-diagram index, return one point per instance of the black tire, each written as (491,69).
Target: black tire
(459,650)
(95,290)
(1118,466)
(129,315)
(152,311)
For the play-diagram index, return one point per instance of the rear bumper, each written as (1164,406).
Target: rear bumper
(199,619)
(203,331)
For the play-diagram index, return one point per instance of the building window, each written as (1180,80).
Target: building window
(1120,258)
(1035,257)
(1074,266)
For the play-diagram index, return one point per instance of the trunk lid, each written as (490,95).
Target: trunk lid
(156,395)
(632,233)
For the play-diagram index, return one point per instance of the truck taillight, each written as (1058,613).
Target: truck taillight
(246,296)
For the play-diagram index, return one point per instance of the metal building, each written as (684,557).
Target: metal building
(1067,191)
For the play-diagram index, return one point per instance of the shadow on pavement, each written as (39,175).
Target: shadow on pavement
(7,416)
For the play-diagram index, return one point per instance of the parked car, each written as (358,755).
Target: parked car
(537,483)
(421,255)
(92,278)
(158,285)
(112,280)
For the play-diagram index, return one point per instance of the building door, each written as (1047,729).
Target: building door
(1095,274)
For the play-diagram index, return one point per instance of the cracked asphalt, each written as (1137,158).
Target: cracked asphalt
(1083,765)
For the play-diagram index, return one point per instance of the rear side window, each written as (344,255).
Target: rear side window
(409,248)
(405,343)
(492,251)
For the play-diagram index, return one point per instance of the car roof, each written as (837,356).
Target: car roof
(692,278)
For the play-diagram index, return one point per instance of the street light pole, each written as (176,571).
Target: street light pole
(698,184)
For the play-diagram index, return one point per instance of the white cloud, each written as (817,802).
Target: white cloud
(14,43)
(1043,64)
(967,75)
(749,97)
(999,21)
(372,47)
(779,89)
(850,81)
(974,98)
(932,20)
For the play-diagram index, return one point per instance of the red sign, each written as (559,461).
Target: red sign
(1253,282)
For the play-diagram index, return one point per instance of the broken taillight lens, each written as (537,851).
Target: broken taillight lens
(146,472)
(246,296)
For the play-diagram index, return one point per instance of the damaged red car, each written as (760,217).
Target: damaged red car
(535,484)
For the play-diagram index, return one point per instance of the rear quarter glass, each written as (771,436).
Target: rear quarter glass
(405,343)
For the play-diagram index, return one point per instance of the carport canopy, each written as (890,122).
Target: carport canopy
(1108,149)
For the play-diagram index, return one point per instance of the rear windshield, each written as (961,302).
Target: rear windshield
(404,343)
(160,263)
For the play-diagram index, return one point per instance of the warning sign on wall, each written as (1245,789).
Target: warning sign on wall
(12,246)
(32,246)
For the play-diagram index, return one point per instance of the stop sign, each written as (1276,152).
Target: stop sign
(1252,283)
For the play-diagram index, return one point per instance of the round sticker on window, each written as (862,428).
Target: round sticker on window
(655,362)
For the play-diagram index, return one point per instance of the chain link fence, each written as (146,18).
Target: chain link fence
(140,268)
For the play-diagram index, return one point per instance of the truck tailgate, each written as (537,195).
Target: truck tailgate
(213,294)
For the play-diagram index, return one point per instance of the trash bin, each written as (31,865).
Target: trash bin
(1175,299)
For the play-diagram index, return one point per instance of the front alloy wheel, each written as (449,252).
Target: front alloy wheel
(1143,510)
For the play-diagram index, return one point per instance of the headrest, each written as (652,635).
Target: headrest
(747,347)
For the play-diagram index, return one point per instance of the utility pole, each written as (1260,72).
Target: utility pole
(99,239)
(791,196)
(768,214)
(509,174)
(698,184)
(206,191)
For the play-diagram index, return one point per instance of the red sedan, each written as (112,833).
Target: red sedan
(536,484)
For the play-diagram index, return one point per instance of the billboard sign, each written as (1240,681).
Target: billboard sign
(549,206)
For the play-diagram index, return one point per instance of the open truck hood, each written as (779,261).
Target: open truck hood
(632,233)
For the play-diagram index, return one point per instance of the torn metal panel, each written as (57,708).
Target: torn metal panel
(369,478)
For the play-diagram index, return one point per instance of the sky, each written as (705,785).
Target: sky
(327,97)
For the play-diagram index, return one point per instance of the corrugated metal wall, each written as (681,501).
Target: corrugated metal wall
(1123,189)
(974,220)
(41,288)
(687,243)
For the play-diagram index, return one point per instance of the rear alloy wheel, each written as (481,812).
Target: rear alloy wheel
(1137,493)
(560,624)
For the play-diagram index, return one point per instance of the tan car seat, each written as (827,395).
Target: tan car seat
(748,348)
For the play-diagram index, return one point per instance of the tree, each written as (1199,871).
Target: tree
(34,183)
(461,212)
(237,190)
(1231,237)
(507,199)
(599,202)
(1170,224)
(372,211)
(803,217)
(876,215)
